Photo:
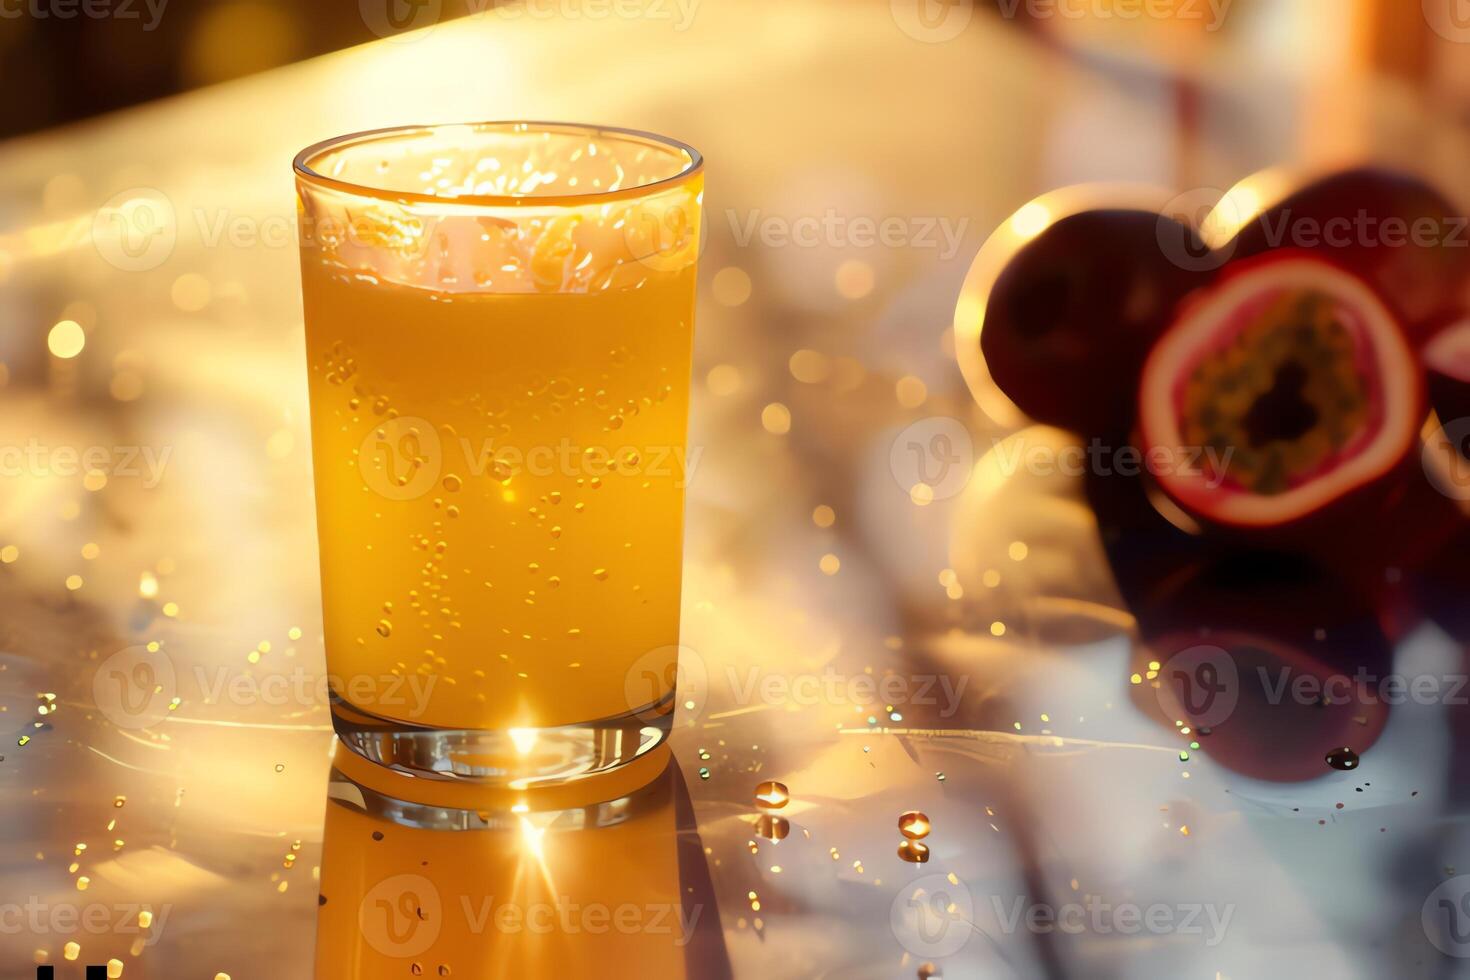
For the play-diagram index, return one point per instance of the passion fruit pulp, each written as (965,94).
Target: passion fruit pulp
(1290,385)
(1393,230)
(1071,318)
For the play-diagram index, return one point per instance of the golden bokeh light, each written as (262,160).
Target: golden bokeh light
(190,292)
(911,391)
(66,339)
(776,419)
(854,279)
(723,380)
(731,286)
(809,366)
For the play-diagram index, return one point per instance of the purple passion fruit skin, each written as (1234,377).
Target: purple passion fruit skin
(1395,231)
(1070,320)
(1297,386)
(1447,358)
(1235,629)
(1442,584)
(1402,529)
(1143,548)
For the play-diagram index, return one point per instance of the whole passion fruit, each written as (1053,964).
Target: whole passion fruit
(1072,316)
(1285,391)
(1394,230)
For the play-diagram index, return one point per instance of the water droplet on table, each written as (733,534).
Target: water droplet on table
(772,827)
(772,795)
(914,824)
(913,852)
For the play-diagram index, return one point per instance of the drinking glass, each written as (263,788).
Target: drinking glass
(498,328)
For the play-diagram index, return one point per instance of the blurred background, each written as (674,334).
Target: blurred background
(70,64)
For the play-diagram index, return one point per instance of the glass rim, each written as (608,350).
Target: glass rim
(302,165)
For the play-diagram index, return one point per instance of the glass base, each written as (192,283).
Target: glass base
(516,758)
(392,798)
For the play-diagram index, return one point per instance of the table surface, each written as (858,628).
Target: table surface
(1044,782)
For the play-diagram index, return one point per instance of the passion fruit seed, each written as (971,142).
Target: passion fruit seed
(1282,398)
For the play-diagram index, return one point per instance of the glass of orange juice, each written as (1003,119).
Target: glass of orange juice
(498,328)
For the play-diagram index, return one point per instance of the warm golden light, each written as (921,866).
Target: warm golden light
(1031,220)
(66,339)
(776,419)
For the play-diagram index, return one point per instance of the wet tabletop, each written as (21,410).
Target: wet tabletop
(965,652)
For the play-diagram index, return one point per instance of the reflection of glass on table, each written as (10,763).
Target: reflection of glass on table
(571,888)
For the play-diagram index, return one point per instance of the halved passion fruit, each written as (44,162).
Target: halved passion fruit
(1397,232)
(1285,390)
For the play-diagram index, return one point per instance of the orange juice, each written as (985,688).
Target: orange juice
(500,493)
(498,329)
